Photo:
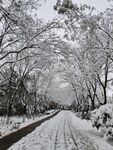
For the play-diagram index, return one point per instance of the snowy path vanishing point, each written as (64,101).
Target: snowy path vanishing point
(63,132)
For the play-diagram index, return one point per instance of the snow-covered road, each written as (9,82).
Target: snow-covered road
(63,132)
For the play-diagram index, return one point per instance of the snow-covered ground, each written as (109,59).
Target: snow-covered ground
(102,118)
(63,132)
(18,121)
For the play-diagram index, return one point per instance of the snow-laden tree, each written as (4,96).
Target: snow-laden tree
(92,33)
(27,46)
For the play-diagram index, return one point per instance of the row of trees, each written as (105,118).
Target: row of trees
(29,50)
(88,67)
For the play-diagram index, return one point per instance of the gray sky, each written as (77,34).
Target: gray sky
(46,11)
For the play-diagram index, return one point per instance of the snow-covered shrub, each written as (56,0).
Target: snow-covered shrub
(85,115)
(102,119)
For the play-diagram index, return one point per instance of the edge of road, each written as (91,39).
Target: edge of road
(8,140)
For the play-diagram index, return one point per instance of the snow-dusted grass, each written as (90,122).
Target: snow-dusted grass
(57,132)
(16,123)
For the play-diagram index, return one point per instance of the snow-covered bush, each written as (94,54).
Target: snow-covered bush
(85,115)
(102,119)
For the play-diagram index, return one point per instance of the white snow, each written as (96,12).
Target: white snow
(102,118)
(63,132)
(7,129)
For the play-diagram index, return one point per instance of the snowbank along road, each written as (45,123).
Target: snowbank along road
(63,132)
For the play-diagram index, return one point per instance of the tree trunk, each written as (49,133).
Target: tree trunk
(24,113)
(105,96)
(8,114)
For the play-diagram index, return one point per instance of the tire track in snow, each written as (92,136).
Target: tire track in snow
(72,136)
(64,130)
(58,130)
(84,142)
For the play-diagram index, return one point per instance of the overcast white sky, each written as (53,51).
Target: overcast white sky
(47,12)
